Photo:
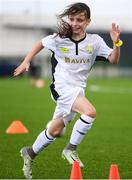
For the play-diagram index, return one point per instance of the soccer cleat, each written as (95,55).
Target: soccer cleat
(27,167)
(71,156)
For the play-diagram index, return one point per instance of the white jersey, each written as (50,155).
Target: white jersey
(72,60)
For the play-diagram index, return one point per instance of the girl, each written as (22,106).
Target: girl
(73,55)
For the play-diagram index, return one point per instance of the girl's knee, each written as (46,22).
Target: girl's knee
(90,112)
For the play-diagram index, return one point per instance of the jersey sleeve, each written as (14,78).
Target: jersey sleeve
(103,50)
(49,42)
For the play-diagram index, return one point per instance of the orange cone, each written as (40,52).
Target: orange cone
(16,127)
(76,171)
(114,173)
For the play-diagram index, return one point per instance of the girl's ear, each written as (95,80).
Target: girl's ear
(88,21)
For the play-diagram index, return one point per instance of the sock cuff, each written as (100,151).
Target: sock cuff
(87,119)
(48,135)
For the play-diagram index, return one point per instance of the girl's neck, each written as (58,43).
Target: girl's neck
(77,37)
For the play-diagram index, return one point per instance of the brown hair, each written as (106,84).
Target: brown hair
(64,29)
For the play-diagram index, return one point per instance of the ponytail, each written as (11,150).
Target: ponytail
(64,29)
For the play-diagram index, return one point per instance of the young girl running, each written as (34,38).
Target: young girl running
(73,54)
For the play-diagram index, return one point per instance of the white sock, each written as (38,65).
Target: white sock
(81,127)
(42,141)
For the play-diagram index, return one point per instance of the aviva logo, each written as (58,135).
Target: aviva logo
(89,48)
(68,60)
(64,50)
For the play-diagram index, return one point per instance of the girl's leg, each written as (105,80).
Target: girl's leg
(81,127)
(45,138)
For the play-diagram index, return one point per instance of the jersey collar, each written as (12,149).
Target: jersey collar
(78,40)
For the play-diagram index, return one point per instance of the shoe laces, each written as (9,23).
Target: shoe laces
(28,161)
(75,155)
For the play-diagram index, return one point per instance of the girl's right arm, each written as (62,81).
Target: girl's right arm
(24,66)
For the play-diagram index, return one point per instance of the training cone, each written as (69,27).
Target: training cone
(16,127)
(114,173)
(76,171)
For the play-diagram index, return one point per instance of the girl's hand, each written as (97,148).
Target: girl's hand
(115,33)
(24,66)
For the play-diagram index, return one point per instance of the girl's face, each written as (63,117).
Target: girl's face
(78,23)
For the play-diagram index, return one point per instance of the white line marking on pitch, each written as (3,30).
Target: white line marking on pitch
(121,90)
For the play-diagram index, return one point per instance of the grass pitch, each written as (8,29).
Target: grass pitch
(109,141)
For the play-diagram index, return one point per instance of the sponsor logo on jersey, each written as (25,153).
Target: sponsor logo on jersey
(69,60)
(89,48)
(64,50)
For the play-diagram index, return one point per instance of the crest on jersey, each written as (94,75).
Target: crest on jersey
(89,48)
(64,50)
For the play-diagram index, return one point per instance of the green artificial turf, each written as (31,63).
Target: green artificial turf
(108,142)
